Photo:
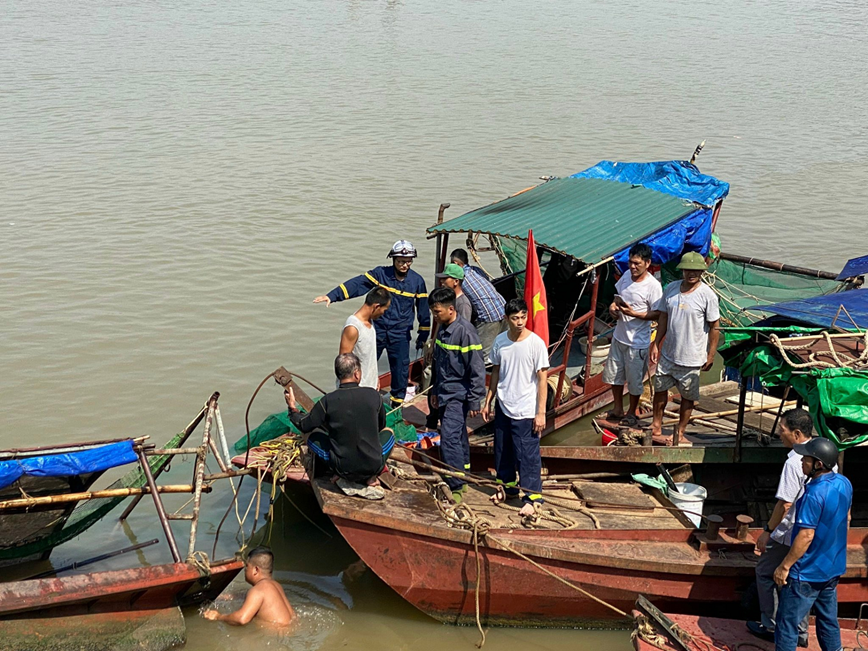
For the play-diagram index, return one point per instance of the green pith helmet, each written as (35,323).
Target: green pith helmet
(452,271)
(692,261)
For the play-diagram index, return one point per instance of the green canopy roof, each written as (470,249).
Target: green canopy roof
(586,218)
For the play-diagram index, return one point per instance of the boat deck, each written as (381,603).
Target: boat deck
(718,633)
(615,505)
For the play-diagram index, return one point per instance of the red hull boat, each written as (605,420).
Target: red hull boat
(120,591)
(703,633)
(408,544)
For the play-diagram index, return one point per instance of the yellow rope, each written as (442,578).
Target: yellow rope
(841,360)
(508,548)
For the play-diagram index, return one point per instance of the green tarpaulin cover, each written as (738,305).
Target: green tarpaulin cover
(836,397)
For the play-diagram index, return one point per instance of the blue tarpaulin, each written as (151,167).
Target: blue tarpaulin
(823,310)
(854,267)
(677,178)
(70,464)
(693,233)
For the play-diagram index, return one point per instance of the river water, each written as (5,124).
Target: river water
(179,180)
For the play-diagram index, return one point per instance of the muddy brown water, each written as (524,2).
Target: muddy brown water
(178,181)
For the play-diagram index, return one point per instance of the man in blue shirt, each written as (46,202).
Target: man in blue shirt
(459,382)
(487,302)
(409,300)
(809,573)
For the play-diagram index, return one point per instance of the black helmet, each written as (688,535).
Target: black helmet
(819,448)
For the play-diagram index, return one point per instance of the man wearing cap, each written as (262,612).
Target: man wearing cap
(774,543)
(453,278)
(687,326)
(409,301)
(808,575)
(488,304)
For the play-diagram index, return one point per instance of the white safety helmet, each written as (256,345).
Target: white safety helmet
(402,249)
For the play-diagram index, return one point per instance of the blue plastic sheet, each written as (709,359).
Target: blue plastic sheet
(854,267)
(67,465)
(678,178)
(693,233)
(823,310)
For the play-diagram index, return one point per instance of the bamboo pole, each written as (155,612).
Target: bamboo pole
(779,266)
(26,502)
(730,412)
(199,476)
(739,432)
(191,426)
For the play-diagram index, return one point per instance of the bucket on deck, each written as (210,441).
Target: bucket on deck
(690,498)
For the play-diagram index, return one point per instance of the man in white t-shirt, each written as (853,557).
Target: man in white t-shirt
(635,308)
(519,380)
(775,541)
(360,337)
(689,314)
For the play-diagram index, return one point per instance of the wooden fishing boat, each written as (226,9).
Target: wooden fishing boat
(642,544)
(119,591)
(31,532)
(678,632)
(139,603)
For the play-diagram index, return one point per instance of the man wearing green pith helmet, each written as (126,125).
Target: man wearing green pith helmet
(686,340)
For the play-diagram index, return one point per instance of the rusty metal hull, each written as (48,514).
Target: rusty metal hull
(140,588)
(720,633)
(433,567)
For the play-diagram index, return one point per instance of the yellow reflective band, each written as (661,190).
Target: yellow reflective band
(424,328)
(510,484)
(467,466)
(460,349)
(344,290)
(394,399)
(392,289)
(534,496)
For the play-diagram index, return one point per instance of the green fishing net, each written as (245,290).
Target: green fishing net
(88,513)
(279,424)
(743,289)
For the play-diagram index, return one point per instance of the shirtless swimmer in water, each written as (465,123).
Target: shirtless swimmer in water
(266,601)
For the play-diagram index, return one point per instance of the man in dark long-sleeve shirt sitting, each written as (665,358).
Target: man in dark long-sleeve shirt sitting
(347,429)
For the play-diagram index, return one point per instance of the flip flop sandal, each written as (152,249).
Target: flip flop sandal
(629,421)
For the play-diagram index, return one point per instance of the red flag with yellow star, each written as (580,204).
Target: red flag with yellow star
(535,294)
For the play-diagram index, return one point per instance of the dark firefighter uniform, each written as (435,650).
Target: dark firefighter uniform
(409,298)
(459,385)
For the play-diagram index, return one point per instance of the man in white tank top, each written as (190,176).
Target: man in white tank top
(360,337)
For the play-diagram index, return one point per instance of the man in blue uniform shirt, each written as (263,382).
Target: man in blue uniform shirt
(409,299)
(459,382)
(809,573)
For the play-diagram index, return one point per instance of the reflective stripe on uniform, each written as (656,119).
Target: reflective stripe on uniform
(394,399)
(391,289)
(460,349)
(344,290)
(508,484)
(534,496)
(424,328)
